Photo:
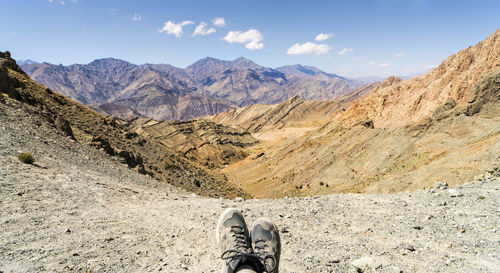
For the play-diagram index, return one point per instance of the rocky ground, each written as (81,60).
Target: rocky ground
(80,210)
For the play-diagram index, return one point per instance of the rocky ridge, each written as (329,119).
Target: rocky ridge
(402,102)
(160,91)
(294,112)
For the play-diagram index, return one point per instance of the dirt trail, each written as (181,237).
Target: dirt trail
(79,210)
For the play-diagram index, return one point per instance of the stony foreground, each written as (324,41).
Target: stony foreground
(80,210)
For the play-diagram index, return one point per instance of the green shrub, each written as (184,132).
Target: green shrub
(27,158)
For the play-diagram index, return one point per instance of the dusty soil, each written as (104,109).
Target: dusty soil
(80,210)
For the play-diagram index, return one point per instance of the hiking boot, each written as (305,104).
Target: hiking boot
(234,242)
(266,244)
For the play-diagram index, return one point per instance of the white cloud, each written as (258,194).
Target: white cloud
(175,29)
(252,38)
(219,22)
(62,3)
(323,36)
(355,59)
(203,29)
(399,55)
(345,50)
(379,65)
(137,17)
(308,48)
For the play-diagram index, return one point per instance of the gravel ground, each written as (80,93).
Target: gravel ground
(80,210)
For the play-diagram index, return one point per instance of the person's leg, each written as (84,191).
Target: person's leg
(246,269)
(266,243)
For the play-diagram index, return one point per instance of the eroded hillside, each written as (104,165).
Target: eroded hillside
(210,144)
(403,102)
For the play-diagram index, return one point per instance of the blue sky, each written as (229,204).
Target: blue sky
(376,38)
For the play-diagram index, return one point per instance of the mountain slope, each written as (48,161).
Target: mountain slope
(243,83)
(86,126)
(451,146)
(203,70)
(416,98)
(401,136)
(307,72)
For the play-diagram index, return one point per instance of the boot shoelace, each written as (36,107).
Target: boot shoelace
(260,248)
(242,250)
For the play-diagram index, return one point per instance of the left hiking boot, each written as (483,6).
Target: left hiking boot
(234,242)
(266,244)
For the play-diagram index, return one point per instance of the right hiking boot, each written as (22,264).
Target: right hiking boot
(266,244)
(234,242)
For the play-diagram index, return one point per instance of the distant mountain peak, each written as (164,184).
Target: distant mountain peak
(245,63)
(106,62)
(305,71)
(148,88)
(241,58)
(206,60)
(24,62)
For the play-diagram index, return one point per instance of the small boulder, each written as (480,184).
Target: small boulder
(64,126)
(366,263)
(454,193)
(441,185)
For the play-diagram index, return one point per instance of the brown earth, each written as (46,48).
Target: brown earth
(403,102)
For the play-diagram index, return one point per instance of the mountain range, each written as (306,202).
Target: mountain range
(165,92)
(392,136)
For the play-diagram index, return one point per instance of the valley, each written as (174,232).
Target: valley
(440,126)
